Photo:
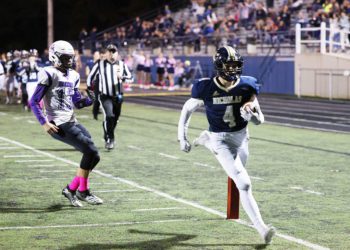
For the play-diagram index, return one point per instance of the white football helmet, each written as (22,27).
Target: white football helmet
(61,54)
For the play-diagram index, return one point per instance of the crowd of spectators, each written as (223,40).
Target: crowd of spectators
(242,20)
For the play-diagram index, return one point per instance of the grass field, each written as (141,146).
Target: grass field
(157,197)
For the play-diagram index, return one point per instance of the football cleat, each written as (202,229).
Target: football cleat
(109,144)
(269,233)
(89,197)
(71,196)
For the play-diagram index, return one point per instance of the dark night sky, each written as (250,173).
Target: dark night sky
(23,23)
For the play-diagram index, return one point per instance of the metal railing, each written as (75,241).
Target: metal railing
(332,38)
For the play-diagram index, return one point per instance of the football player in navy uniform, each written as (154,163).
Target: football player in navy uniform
(58,87)
(230,102)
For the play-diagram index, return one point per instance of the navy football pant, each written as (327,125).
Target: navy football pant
(78,137)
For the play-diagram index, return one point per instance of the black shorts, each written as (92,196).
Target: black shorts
(160,70)
(139,67)
(147,69)
(171,70)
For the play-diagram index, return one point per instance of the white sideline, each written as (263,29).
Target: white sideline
(96,225)
(168,196)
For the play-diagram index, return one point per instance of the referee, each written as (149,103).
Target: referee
(111,72)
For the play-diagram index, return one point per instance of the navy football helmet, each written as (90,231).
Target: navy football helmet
(229,63)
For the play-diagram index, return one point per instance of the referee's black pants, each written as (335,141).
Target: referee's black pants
(111,109)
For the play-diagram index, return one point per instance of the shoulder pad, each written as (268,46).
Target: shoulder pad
(251,82)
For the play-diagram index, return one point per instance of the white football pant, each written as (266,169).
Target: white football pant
(231,150)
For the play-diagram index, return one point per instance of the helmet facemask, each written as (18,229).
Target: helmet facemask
(66,61)
(231,70)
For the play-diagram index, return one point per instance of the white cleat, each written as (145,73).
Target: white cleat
(269,233)
(203,138)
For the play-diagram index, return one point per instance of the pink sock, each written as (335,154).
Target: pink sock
(74,184)
(83,184)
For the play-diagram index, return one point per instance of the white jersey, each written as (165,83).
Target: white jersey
(2,77)
(58,101)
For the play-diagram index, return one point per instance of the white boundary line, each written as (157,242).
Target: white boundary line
(95,225)
(165,195)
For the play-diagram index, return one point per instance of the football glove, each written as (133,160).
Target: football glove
(185,145)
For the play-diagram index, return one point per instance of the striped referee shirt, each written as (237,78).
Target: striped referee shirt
(111,76)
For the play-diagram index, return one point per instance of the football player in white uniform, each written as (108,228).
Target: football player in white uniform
(58,86)
(230,102)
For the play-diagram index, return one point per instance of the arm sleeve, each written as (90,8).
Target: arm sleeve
(92,74)
(80,102)
(45,81)
(189,107)
(39,93)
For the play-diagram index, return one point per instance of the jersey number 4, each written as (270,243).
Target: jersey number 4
(229,117)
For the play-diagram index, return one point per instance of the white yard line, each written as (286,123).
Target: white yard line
(56,171)
(45,165)
(157,209)
(22,117)
(31,122)
(3,113)
(21,161)
(306,190)
(96,225)
(134,147)
(22,156)
(165,195)
(4,144)
(204,165)
(256,178)
(169,156)
(116,191)
(4,148)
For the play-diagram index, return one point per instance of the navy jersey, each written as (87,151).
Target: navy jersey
(223,105)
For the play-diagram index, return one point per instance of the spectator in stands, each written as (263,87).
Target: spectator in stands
(160,64)
(82,37)
(93,39)
(179,71)
(147,71)
(170,68)
(140,63)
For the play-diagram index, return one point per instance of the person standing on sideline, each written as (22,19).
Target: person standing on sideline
(98,55)
(111,72)
(230,102)
(58,87)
